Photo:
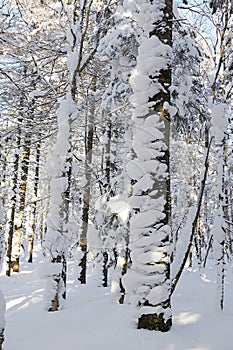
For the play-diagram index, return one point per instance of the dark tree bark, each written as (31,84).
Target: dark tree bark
(86,195)
(34,205)
(22,200)
(12,213)
(160,321)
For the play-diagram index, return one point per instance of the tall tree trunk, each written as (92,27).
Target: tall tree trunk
(13,201)
(34,205)
(56,245)
(161,319)
(22,199)
(150,223)
(107,190)
(2,237)
(206,214)
(219,227)
(226,207)
(87,193)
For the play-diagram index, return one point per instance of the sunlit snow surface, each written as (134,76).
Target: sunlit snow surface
(92,319)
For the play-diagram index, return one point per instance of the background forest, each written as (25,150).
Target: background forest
(116,146)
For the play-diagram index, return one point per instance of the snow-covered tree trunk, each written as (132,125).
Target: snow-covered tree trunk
(148,282)
(2,299)
(32,232)
(56,237)
(219,233)
(59,167)
(22,199)
(2,237)
(89,137)
(218,129)
(60,164)
(227,197)
(3,164)
(221,113)
(104,220)
(108,191)
(13,202)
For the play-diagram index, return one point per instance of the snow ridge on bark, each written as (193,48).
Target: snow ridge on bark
(147,281)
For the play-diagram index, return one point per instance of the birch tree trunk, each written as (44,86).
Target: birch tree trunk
(87,192)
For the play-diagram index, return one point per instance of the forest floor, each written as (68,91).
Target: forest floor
(92,318)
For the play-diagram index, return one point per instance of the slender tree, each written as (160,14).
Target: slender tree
(89,144)
(12,210)
(33,212)
(75,20)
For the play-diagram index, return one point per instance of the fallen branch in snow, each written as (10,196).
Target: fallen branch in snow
(194,223)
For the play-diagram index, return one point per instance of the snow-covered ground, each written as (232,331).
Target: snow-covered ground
(92,319)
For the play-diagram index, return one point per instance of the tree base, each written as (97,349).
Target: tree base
(1,338)
(15,265)
(154,322)
(54,304)
(83,265)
